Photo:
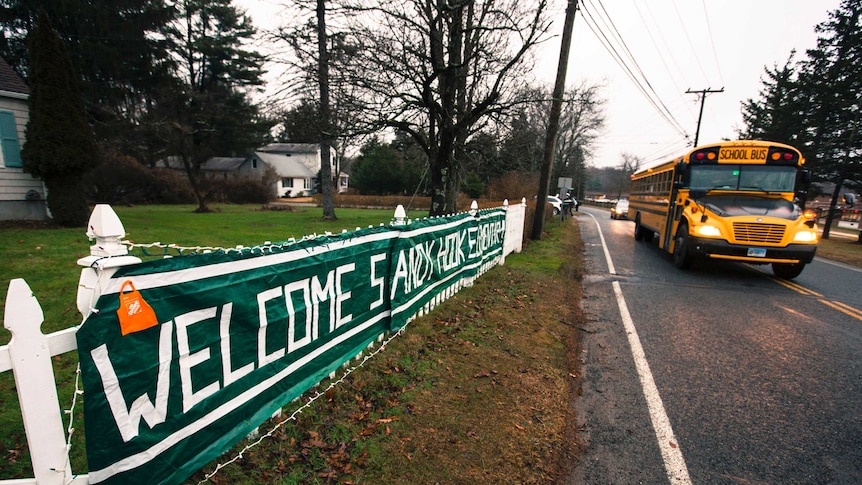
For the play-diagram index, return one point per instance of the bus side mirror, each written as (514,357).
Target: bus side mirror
(805,178)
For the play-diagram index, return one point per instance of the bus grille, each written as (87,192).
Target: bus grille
(761,233)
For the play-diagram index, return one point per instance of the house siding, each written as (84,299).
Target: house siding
(15,184)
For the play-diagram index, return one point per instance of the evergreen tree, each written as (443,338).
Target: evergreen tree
(778,114)
(300,124)
(60,146)
(832,79)
(378,170)
(205,112)
(118,54)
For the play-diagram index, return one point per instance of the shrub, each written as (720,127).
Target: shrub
(247,191)
(174,187)
(473,185)
(120,179)
(514,186)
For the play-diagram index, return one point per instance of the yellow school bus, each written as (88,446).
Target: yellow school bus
(734,200)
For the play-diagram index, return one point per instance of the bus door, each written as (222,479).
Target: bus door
(674,210)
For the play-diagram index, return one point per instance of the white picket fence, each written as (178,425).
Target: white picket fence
(29,352)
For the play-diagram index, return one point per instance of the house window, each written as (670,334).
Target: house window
(306,184)
(287,183)
(11,151)
(254,163)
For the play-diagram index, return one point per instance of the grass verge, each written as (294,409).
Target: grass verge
(845,250)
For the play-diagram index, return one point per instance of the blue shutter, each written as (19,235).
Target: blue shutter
(9,139)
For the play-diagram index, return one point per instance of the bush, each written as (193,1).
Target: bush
(119,179)
(174,187)
(473,185)
(247,191)
(514,186)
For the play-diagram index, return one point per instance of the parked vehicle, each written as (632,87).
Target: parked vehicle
(620,210)
(556,203)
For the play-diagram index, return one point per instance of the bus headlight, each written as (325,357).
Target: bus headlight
(708,231)
(805,236)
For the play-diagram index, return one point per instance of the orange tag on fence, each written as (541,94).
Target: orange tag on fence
(135,314)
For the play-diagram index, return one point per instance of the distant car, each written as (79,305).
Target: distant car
(556,203)
(620,210)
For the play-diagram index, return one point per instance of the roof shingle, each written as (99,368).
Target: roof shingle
(10,81)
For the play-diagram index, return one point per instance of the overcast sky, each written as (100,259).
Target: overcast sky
(670,46)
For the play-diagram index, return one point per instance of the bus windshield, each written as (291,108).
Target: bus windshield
(765,178)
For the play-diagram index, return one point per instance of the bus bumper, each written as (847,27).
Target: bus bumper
(716,249)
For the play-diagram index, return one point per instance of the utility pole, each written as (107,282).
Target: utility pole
(703,93)
(554,122)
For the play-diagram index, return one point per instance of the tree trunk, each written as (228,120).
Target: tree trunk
(444,176)
(325,115)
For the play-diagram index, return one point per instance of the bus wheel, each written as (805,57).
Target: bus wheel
(639,230)
(787,271)
(681,255)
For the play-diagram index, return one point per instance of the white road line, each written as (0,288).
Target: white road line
(674,463)
(839,264)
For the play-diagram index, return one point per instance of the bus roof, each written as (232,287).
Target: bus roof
(737,144)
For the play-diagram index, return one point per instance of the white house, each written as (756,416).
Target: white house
(296,164)
(22,196)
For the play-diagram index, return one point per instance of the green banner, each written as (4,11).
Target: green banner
(434,258)
(238,334)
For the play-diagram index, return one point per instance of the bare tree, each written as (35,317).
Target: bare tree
(311,50)
(435,69)
(630,164)
(581,121)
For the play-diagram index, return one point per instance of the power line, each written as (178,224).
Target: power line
(712,41)
(643,85)
(688,39)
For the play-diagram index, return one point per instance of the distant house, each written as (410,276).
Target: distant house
(297,166)
(22,196)
(214,168)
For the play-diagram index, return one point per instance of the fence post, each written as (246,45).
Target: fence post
(507,233)
(37,389)
(400,215)
(106,255)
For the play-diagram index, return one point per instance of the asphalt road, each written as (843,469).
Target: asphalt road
(756,380)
